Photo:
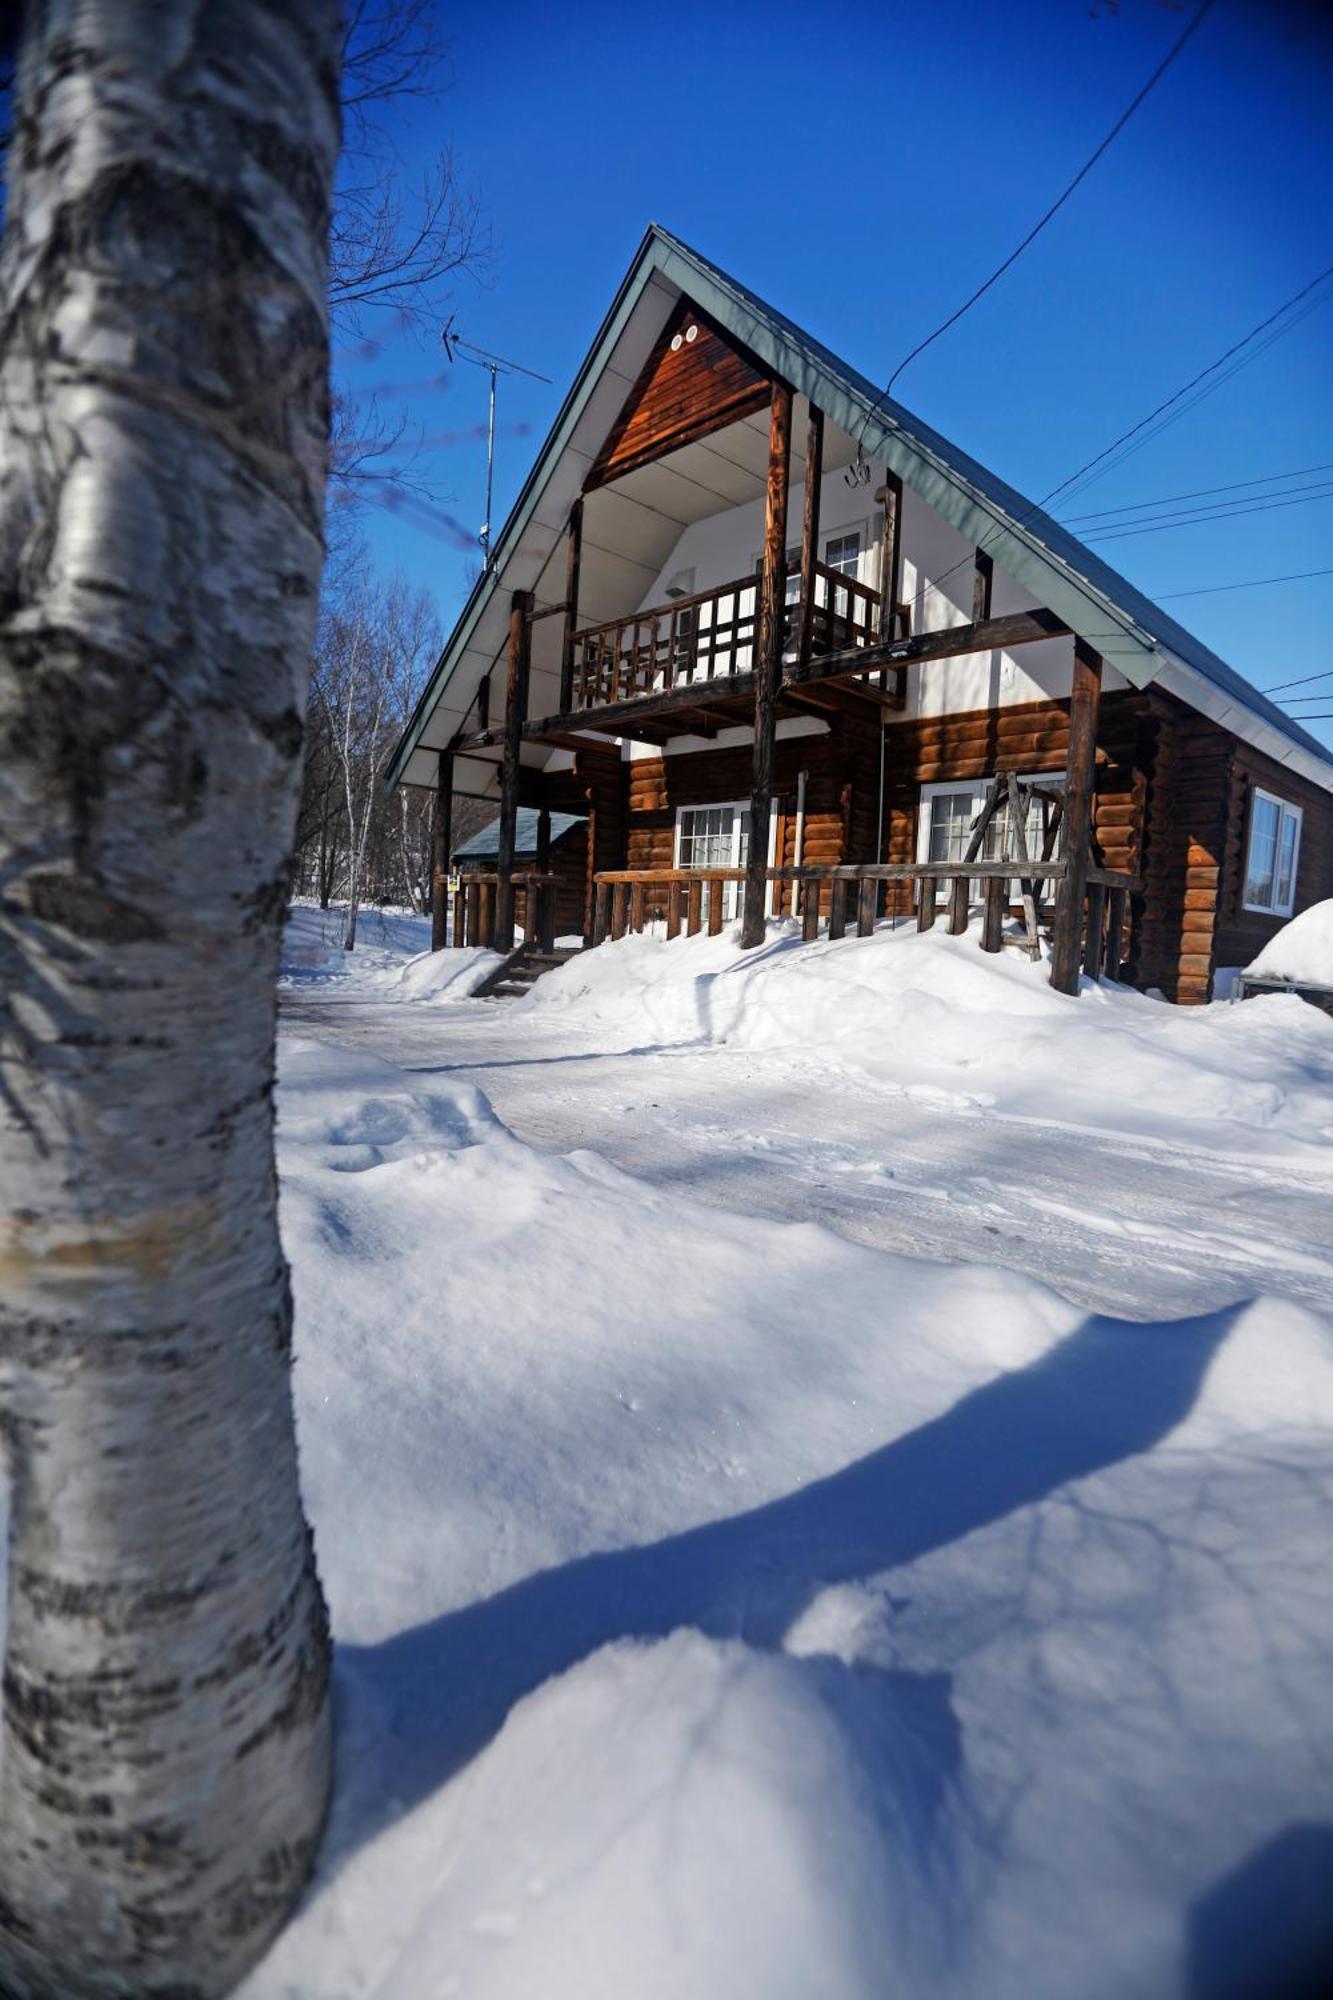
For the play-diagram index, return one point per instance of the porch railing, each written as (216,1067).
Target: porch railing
(860,894)
(711,635)
(475,909)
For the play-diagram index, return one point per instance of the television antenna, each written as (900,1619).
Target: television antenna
(458,349)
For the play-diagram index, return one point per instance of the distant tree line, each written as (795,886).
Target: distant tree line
(356,844)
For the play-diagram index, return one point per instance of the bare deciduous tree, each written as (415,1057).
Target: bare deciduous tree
(163,431)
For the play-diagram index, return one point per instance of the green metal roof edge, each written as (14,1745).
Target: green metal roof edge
(1060,570)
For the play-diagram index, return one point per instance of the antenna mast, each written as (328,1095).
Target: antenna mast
(458,349)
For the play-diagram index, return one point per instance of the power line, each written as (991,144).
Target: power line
(1212,368)
(1199,493)
(1205,518)
(1050,214)
(1253,583)
(1303,682)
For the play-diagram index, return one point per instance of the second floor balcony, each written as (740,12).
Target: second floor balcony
(710,637)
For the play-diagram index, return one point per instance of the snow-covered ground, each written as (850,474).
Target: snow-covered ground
(1302,950)
(392,958)
(734,1601)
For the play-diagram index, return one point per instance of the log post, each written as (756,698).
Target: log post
(983,581)
(925,902)
(958,906)
(992,923)
(484,703)
(814,469)
(516,708)
(1115,932)
(545,896)
(1094,939)
(573,554)
(441,841)
(1080,771)
(768,664)
(890,557)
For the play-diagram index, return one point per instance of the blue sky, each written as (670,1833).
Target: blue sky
(863,168)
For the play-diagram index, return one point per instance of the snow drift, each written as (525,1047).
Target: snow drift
(1302,950)
(726,1609)
(934,1014)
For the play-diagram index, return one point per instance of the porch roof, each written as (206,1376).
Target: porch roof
(1132,633)
(485,846)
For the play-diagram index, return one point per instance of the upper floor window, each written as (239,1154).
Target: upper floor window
(1271,854)
(843,553)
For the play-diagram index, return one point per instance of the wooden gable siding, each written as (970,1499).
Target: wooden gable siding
(682,394)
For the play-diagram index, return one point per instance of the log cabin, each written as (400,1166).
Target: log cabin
(787,651)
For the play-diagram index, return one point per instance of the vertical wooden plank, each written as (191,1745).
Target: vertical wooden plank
(768,663)
(810,912)
(516,708)
(696,908)
(484,702)
(675,905)
(867,902)
(890,560)
(573,557)
(958,901)
(925,902)
(814,467)
(983,579)
(1080,773)
(486,915)
(992,924)
(601,914)
(473,927)
(441,840)
(637,901)
(837,909)
(460,916)
(717,892)
(1093,941)
(1115,932)
(619,909)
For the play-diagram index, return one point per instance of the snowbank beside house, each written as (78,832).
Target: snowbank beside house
(934,1015)
(392,959)
(727,1609)
(1302,950)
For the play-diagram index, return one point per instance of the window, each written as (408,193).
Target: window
(944,830)
(1271,854)
(719,837)
(843,553)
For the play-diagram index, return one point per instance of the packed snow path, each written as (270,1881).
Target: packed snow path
(1142,1228)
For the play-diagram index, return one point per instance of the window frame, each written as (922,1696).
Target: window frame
(935,788)
(736,807)
(1286,809)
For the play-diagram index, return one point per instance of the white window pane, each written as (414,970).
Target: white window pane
(1261,864)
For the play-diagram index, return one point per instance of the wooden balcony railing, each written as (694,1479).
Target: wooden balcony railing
(474,909)
(630,899)
(711,636)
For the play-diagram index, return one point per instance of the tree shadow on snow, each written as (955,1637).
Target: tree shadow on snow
(437,1694)
(1265,1932)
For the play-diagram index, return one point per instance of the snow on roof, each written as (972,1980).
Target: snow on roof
(486,844)
(1133,634)
(1302,950)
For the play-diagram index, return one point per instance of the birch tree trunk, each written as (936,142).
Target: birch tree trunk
(164,1762)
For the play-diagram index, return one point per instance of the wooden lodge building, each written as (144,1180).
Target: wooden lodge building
(783,648)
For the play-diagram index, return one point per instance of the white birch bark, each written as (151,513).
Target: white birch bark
(163,411)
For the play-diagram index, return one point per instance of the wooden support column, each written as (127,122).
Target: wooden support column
(1080,771)
(983,582)
(891,553)
(573,554)
(484,703)
(441,841)
(516,708)
(814,469)
(768,663)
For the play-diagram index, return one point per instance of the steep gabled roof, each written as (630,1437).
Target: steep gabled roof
(1132,633)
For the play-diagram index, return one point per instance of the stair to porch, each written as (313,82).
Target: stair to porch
(519,973)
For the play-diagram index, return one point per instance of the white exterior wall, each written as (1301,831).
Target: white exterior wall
(724,547)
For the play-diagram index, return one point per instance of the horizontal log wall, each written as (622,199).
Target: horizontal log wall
(1240,933)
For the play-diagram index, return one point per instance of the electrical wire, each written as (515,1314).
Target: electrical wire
(1252,583)
(1303,682)
(1199,493)
(1195,520)
(1097,460)
(1050,214)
